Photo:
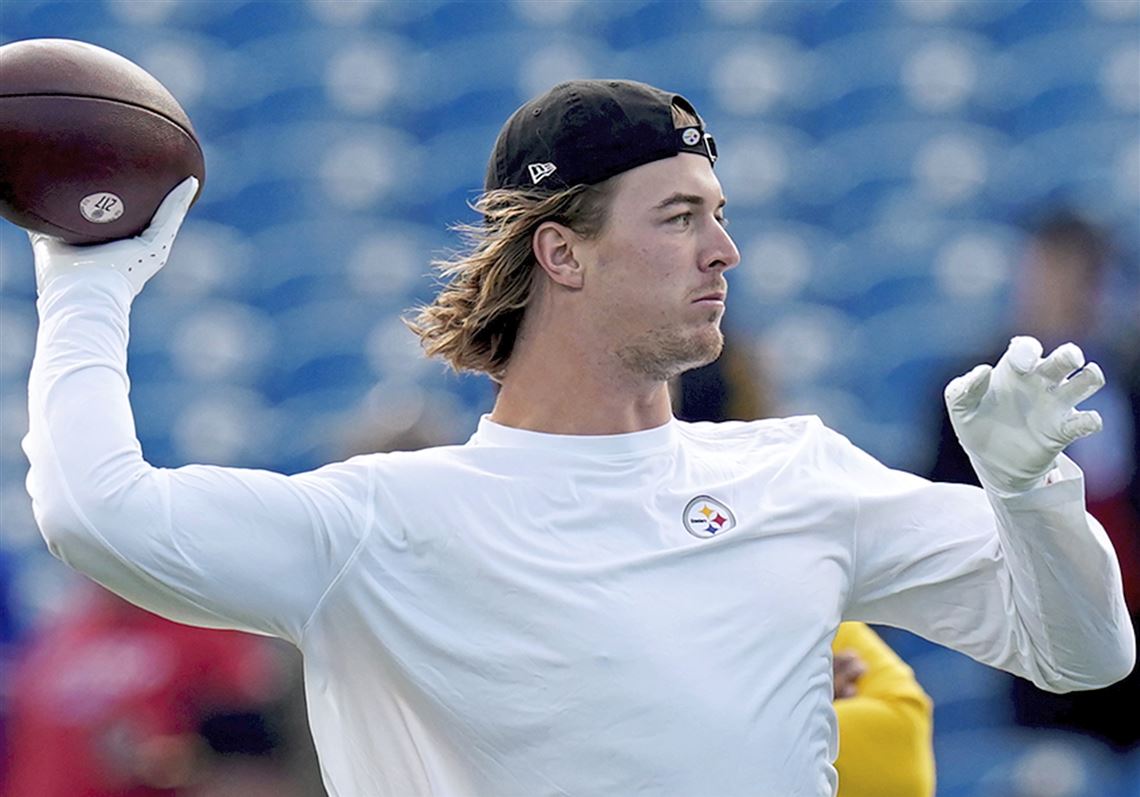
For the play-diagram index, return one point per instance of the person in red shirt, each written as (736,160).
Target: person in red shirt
(113,700)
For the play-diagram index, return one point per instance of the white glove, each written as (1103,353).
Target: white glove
(1014,419)
(138,259)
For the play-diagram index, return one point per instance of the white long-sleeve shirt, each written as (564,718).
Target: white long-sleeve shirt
(536,614)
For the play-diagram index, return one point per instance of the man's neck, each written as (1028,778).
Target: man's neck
(571,392)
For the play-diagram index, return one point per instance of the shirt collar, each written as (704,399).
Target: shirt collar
(490,433)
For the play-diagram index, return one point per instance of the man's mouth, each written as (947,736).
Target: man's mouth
(712,297)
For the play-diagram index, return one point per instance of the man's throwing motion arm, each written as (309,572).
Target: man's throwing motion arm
(1019,575)
(203,545)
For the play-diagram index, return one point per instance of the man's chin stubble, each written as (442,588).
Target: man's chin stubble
(661,355)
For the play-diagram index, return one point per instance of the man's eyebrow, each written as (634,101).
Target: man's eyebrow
(684,199)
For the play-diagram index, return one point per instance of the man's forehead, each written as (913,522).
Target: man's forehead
(683,175)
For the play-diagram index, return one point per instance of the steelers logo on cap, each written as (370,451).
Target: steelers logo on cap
(707,517)
(691,136)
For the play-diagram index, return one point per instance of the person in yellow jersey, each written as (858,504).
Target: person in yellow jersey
(886,720)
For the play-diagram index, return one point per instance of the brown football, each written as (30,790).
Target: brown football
(90,143)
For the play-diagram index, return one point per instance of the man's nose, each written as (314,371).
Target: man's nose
(721,252)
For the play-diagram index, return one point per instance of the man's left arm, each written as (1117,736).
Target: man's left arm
(1018,576)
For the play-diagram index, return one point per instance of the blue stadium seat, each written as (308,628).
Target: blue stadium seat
(785,260)
(846,16)
(863,78)
(743,74)
(162,403)
(799,20)
(1013,762)
(454,166)
(338,256)
(1076,163)
(1071,59)
(482,76)
(17,272)
(335,373)
(908,351)
(239,21)
(452,20)
(887,152)
(343,324)
(764,164)
(27,19)
(294,75)
(316,419)
(1037,17)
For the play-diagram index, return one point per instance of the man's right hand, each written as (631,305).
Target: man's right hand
(138,259)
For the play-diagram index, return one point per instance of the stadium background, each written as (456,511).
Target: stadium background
(880,159)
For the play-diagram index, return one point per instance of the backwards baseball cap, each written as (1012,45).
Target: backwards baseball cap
(586,131)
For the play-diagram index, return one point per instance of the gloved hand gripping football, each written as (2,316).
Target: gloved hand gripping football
(138,259)
(1015,418)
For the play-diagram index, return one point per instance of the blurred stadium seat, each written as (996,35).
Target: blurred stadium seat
(1005,762)
(878,156)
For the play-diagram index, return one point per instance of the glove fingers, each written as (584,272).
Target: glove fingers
(1023,354)
(965,392)
(170,214)
(1081,424)
(1065,359)
(1083,384)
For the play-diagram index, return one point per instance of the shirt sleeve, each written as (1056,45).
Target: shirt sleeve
(210,546)
(1028,583)
(886,728)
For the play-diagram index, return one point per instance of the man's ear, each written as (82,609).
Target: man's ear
(553,245)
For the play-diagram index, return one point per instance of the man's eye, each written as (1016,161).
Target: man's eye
(682,219)
(722,221)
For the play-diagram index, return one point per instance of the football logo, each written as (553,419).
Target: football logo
(707,517)
(691,136)
(101,208)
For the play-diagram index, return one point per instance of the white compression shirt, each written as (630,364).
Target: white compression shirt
(534,614)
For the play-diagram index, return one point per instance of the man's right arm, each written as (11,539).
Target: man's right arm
(209,546)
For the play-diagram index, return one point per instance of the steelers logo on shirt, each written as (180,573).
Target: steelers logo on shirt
(707,517)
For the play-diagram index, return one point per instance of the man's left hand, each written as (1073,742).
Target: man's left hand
(1015,418)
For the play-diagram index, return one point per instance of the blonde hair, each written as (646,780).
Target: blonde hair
(474,320)
(683,117)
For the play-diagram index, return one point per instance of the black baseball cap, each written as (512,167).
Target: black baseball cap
(586,131)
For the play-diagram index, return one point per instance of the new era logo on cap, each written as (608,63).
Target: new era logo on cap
(540,171)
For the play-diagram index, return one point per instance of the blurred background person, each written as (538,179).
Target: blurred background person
(1059,294)
(109,700)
